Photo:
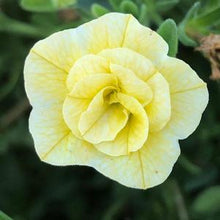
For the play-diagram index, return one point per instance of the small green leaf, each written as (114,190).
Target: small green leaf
(144,17)
(209,18)
(168,31)
(166,5)
(208,201)
(98,10)
(115,4)
(46,6)
(129,7)
(3,216)
(10,25)
(183,37)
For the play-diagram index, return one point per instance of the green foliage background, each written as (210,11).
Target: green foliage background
(30,189)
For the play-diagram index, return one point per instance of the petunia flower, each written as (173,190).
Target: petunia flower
(106,95)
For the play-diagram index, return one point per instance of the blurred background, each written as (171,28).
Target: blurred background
(31,189)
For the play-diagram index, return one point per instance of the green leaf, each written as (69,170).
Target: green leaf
(168,31)
(98,10)
(189,166)
(208,201)
(129,7)
(115,4)
(183,37)
(14,26)
(166,5)
(144,17)
(209,18)
(46,6)
(3,216)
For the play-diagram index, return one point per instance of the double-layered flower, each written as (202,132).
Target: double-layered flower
(106,95)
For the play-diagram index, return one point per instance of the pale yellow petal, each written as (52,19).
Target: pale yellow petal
(179,75)
(132,85)
(72,109)
(189,96)
(80,97)
(145,41)
(107,31)
(159,110)
(102,121)
(54,142)
(47,128)
(157,157)
(186,111)
(44,82)
(132,137)
(65,47)
(89,86)
(148,167)
(127,58)
(87,65)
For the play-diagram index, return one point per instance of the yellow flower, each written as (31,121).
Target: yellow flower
(106,95)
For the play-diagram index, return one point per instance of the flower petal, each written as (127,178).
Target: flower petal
(146,168)
(127,58)
(132,137)
(157,157)
(65,47)
(145,41)
(80,97)
(186,111)
(87,65)
(44,82)
(47,128)
(88,87)
(189,96)
(102,121)
(72,109)
(107,31)
(159,110)
(132,85)
(179,75)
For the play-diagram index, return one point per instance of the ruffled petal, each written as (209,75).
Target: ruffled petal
(159,110)
(80,97)
(133,135)
(129,59)
(88,87)
(148,167)
(132,85)
(179,75)
(145,41)
(85,66)
(44,82)
(102,121)
(189,96)
(186,111)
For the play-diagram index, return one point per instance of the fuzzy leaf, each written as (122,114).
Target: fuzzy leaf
(98,10)
(10,25)
(168,31)
(209,18)
(129,7)
(3,216)
(165,5)
(115,4)
(208,201)
(46,6)
(143,15)
(183,37)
